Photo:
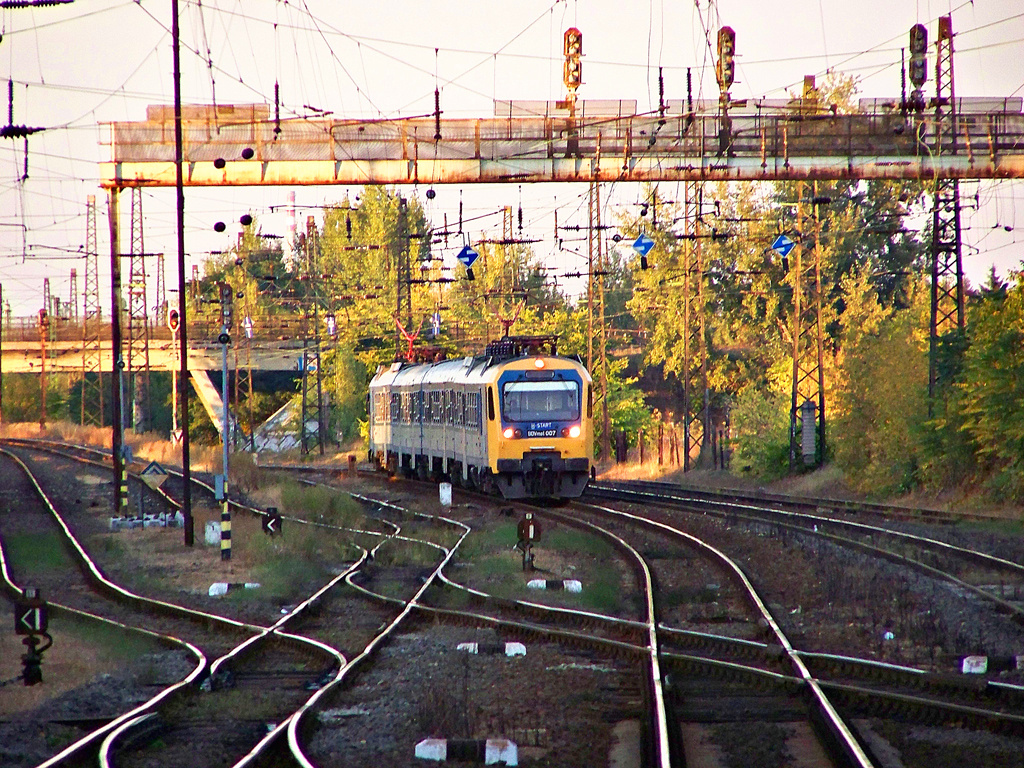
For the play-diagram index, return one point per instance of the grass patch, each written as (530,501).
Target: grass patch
(287,565)
(684,595)
(226,704)
(501,538)
(1002,527)
(570,540)
(604,595)
(322,504)
(109,643)
(36,553)
(397,553)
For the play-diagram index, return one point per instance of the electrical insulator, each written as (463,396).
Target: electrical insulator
(226,300)
(918,55)
(173,320)
(726,70)
(573,74)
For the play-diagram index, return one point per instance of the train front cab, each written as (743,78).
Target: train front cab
(541,428)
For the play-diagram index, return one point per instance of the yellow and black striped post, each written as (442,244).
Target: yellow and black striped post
(123,503)
(225,526)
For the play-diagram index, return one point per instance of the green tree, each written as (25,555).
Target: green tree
(882,391)
(991,386)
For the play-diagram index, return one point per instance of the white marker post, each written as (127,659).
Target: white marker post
(445,493)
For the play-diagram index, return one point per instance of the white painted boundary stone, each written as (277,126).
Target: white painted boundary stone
(975,665)
(212,533)
(492,751)
(569,585)
(509,649)
(161,520)
(221,588)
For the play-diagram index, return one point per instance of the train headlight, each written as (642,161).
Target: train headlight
(538,362)
(509,433)
(575,430)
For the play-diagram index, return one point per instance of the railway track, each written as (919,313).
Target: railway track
(855,684)
(746,673)
(284,666)
(859,686)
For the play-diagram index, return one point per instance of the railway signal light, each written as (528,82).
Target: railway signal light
(726,69)
(573,49)
(918,55)
(226,304)
(173,320)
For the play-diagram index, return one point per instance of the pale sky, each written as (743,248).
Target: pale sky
(79,65)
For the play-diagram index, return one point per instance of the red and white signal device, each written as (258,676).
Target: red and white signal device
(173,320)
(528,529)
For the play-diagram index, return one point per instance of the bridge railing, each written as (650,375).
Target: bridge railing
(755,129)
(204,328)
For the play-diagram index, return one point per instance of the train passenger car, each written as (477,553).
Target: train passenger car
(517,420)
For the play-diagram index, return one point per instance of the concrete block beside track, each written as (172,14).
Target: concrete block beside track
(488,752)
(569,585)
(508,649)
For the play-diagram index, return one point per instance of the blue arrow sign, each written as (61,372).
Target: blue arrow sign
(467,256)
(783,245)
(643,245)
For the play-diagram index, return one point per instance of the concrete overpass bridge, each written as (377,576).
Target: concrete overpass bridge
(273,349)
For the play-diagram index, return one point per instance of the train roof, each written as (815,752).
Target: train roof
(478,369)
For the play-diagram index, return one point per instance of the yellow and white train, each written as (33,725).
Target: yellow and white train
(517,420)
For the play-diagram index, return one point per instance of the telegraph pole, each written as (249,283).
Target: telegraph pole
(116,441)
(224,339)
(1,355)
(44,327)
(186,469)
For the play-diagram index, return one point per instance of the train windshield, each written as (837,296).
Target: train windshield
(540,401)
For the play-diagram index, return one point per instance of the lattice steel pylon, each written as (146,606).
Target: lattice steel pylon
(48,299)
(312,391)
(403,276)
(808,389)
(160,307)
(595,298)
(92,370)
(243,369)
(695,374)
(73,297)
(138,324)
(946,327)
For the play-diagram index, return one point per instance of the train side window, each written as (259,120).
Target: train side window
(590,403)
(490,403)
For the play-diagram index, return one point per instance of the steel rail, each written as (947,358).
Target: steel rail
(852,749)
(124,724)
(754,514)
(88,739)
(296,720)
(661,739)
(101,578)
(661,716)
(991,560)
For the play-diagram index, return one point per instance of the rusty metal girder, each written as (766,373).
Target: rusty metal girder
(765,145)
